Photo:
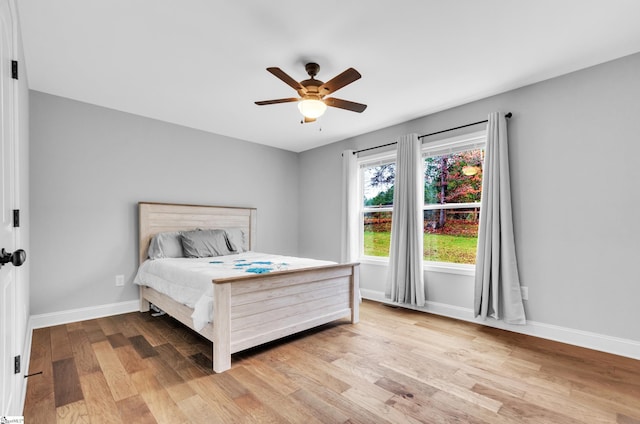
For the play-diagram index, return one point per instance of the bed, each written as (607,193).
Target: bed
(249,309)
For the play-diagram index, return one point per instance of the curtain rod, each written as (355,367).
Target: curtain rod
(508,115)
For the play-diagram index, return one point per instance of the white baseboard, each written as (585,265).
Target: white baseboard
(595,341)
(82,314)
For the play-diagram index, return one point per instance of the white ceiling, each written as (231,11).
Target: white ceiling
(201,63)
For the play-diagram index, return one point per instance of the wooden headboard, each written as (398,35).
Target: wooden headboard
(160,217)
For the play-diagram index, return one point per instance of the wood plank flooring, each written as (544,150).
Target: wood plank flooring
(395,366)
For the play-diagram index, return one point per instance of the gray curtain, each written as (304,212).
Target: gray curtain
(405,283)
(497,284)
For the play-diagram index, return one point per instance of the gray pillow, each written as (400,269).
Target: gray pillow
(166,245)
(237,239)
(205,244)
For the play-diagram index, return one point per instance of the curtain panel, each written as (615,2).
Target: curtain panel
(405,282)
(497,284)
(349,234)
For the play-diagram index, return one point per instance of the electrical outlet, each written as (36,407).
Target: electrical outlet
(525,292)
(119,280)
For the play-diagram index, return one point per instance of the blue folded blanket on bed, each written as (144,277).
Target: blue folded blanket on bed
(259,270)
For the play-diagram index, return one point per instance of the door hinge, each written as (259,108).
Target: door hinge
(16,218)
(14,69)
(16,365)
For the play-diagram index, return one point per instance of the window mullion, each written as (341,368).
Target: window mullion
(437,206)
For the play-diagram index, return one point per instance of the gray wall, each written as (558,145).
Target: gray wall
(89,168)
(574,144)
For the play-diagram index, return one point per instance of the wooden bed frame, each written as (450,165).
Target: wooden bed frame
(257,308)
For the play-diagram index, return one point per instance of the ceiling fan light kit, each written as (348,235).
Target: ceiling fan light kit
(312,108)
(312,102)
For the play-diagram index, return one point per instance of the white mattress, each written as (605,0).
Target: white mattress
(188,280)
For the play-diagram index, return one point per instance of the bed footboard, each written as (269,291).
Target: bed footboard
(250,311)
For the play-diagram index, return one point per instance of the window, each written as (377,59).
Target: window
(452,190)
(378,179)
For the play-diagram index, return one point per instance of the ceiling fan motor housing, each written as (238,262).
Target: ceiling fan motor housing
(312,85)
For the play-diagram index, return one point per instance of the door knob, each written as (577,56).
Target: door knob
(17,258)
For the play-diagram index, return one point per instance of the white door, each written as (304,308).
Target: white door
(8,348)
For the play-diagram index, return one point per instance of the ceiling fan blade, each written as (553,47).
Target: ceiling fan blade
(273,102)
(339,81)
(345,104)
(282,75)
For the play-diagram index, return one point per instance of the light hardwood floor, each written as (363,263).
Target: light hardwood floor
(395,366)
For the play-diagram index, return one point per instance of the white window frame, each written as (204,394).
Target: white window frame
(448,145)
(366,162)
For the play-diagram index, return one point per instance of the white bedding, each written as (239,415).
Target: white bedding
(188,280)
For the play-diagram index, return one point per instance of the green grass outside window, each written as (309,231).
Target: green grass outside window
(437,247)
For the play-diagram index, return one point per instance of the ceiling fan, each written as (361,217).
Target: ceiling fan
(312,102)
